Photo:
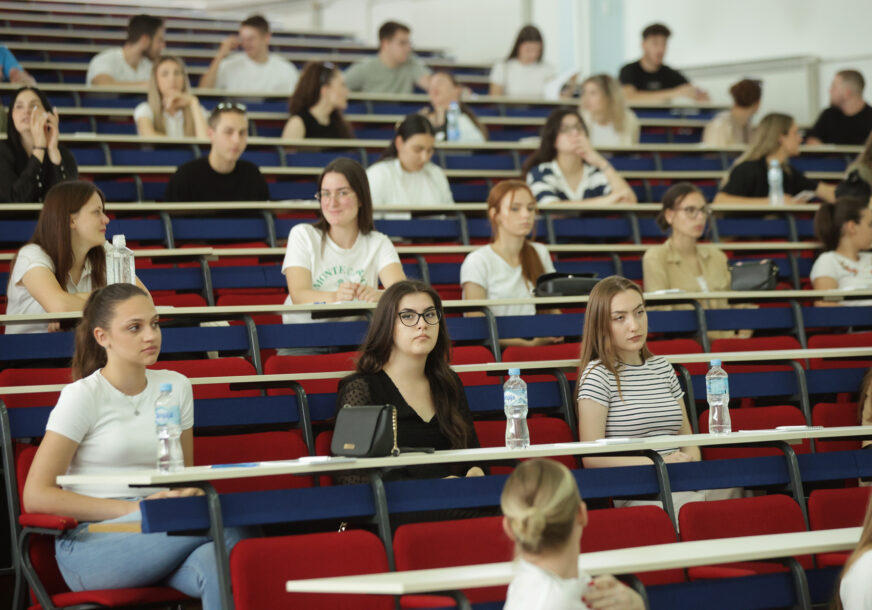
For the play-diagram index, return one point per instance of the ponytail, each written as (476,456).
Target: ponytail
(89,355)
(829,219)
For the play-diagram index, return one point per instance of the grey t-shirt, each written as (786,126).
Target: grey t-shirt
(372,76)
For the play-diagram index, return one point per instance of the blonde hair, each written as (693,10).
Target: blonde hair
(540,502)
(616,107)
(765,140)
(155,99)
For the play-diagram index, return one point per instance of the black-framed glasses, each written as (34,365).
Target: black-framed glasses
(410,318)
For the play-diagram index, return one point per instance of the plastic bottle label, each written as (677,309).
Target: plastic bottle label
(514,397)
(167,415)
(717,385)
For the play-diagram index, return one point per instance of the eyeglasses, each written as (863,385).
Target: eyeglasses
(693,211)
(571,129)
(337,195)
(410,318)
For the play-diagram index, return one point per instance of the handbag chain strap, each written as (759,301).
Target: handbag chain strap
(395,451)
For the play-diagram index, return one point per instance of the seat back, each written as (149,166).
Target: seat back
(831,415)
(442,544)
(543,430)
(665,347)
(863,339)
(755,418)
(752,344)
(212,367)
(836,508)
(474,354)
(619,528)
(39,376)
(315,363)
(259,568)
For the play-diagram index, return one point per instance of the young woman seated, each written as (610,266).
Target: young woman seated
(845,230)
(523,74)
(444,90)
(404,362)
(317,104)
(776,138)
(854,590)
(606,114)
(65,259)
(171,109)
(566,167)
(104,423)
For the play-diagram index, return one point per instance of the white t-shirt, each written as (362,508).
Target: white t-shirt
(604,136)
(390,184)
(849,274)
(533,588)
(331,265)
(522,80)
(20,301)
(112,62)
(469,133)
(240,73)
(174,124)
(502,281)
(115,432)
(855,591)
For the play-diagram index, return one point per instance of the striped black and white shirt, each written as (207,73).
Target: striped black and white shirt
(549,185)
(648,403)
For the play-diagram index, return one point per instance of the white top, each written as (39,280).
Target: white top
(390,184)
(522,80)
(112,62)
(849,274)
(174,124)
(468,131)
(604,136)
(240,73)
(533,588)
(854,590)
(330,265)
(502,281)
(115,432)
(20,301)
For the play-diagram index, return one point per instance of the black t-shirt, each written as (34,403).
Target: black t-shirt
(749,179)
(412,431)
(664,78)
(835,127)
(314,129)
(197,181)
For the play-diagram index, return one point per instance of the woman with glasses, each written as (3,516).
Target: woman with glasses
(404,362)
(340,257)
(317,104)
(566,167)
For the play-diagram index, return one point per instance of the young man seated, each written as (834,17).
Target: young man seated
(848,120)
(131,63)
(394,69)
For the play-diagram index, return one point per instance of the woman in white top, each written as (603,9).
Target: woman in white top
(443,91)
(404,174)
(341,257)
(523,74)
(566,167)
(104,423)
(609,121)
(845,229)
(509,266)
(65,259)
(854,590)
(544,515)
(171,110)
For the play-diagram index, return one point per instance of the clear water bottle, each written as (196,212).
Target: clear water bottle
(167,419)
(717,389)
(515,404)
(452,122)
(775,177)
(120,266)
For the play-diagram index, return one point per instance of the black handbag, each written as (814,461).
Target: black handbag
(759,275)
(365,431)
(565,284)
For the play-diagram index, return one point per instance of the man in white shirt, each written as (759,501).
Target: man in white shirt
(394,70)
(131,63)
(256,69)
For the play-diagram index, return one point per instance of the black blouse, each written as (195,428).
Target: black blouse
(412,431)
(314,129)
(28,180)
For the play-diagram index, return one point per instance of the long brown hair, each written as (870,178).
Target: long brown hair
(52,232)
(865,391)
(765,140)
(547,150)
(359,183)
(88,355)
(829,219)
(531,264)
(155,97)
(464,108)
(528,33)
(445,387)
(596,340)
(316,75)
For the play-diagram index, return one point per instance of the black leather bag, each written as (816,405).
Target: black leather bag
(365,431)
(565,284)
(760,275)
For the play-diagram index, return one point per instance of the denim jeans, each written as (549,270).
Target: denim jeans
(110,560)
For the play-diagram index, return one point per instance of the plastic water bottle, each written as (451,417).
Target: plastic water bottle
(452,122)
(775,177)
(120,266)
(167,419)
(515,404)
(718,394)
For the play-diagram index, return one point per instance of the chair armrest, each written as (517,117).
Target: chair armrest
(43,521)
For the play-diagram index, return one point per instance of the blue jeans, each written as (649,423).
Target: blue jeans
(109,560)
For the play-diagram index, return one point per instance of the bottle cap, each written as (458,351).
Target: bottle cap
(716,363)
(166,387)
(119,241)
(514,371)
(774,163)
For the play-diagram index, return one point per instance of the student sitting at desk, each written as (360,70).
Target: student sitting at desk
(104,423)
(317,104)
(404,362)
(567,168)
(845,229)
(64,260)
(864,403)
(443,91)
(545,517)
(171,109)
(606,114)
